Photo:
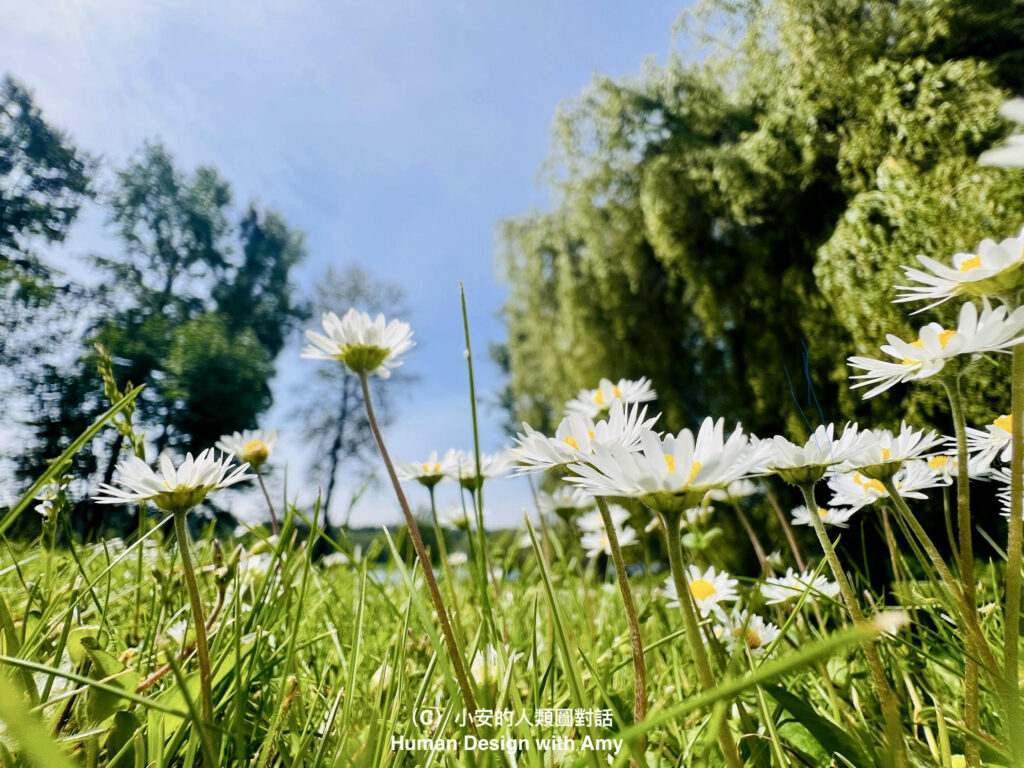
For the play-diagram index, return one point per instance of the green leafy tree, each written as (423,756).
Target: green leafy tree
(44,180)
(195,306)
(733,227)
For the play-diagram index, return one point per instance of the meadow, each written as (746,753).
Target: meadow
(607,631)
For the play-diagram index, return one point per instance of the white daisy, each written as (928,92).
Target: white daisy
(734,491)
(1010,154)
(455,559)
(365,345)
(1002,476)
(577,436)
(993,440)
(430,472)
(833,516)
(596,542)
(253,569)
(807,463)
(593,521)
(855,490)
(335,559)
(173,489)
(592,402)
(750,630)
(979,465)
(696,516)
(455,516)
(487,668)
(994,268)
(994,330)
(564,501)
(251,445)
(709,589)
(671,473)
(51,498)
(882,453)
(780,589)
(463,470)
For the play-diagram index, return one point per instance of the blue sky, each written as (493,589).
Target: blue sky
(396,134)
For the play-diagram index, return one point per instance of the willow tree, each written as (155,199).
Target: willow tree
(732,227)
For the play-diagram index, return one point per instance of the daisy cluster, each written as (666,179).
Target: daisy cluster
(455,465)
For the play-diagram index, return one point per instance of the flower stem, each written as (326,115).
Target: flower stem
(421,552)
(270,504)
(890,710)
(786,529)
(635,639)
(755,542)
(198,620)
(1011,658)
(971,625)
(670,522)
(972,750)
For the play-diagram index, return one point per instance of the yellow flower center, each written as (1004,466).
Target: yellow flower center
(863,482)
(822,511)
(886,454)
(938,462)
(753,639)
(702,589)
(599,395)
(255,452)
(572,442)
(944,337)
(431,469)
(1004,423)
(670,462)
(693,472)
(972,263)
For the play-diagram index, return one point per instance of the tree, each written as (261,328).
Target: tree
(194,306)
(333,417)
(44,179)
(733,227)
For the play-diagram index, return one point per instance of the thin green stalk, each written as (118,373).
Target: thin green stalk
(786,529)
(972,720)
(635,639)
(972,628)
(270,504)
(755,542)
(421,552)
(890,709)
(442,551)
(670,522)
(1011,666)
(478,488)
(139,563)
(198,619)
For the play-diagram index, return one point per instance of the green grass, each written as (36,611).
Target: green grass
(317,665)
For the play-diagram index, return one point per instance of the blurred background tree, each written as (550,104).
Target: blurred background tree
(44,179)
(195,306)
(731,224)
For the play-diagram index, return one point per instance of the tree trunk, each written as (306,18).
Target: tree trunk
(337,447)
